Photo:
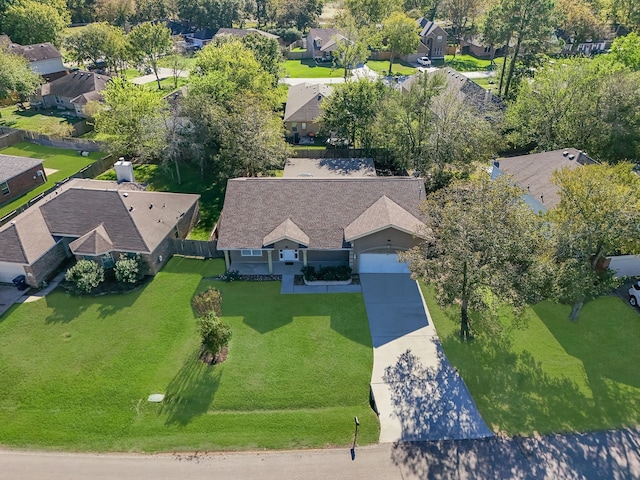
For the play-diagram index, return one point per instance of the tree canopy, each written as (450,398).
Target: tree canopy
(401,33)
(148,43)
(16,77)
(33,21)
(98,41)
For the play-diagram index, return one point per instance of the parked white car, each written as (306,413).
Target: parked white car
(424,61)
(634,294)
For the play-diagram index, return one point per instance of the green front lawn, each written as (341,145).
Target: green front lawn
(543,373)
(210,189)
(308,68)
(399,67)
(65,162)
(166,85)
(76,372)
(469,63)
(46,122)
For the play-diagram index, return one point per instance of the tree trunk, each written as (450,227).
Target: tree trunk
(464,309)
(504,66)
(390,62)
(175,161)
(512,67)
(575,310)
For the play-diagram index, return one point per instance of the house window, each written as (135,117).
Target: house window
(487,49)
(304,126)
(4,188)
(294,126)
(251,253)
(59,100)
(439,38)
(107,260)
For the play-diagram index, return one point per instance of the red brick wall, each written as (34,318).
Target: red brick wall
(23,183)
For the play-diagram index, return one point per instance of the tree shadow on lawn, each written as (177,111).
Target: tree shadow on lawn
(610,454)
(67,307)
(190,392)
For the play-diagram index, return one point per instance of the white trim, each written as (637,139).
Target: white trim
(247,252)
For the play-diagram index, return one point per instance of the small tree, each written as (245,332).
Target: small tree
(85,275)
(215,333)
(208,301)
(128,270)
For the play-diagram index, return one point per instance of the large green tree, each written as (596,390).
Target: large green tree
(149,42)
(16,77)
(626,50)
(461,14)
(32,21)
(352,45)
(481,244)
(351,110)
(267,53)
(372,12)
(598,214)
(401,33)
(98,41)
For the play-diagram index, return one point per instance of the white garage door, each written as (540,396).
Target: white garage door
(381,263)
(9,271)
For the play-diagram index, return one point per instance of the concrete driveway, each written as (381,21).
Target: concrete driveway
(418,394)
(8,296)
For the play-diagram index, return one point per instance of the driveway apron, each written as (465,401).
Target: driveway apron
(417,392)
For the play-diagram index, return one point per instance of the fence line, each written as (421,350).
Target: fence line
(58,142)
(196,248)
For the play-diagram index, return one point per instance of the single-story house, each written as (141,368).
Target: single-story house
(361,222)
(200,38)
(44,59)
(72,92)
(321,42)
(97,220)
(18,175)
(243,32)
(533,173)
(433,39)
(303,109)
(476,47)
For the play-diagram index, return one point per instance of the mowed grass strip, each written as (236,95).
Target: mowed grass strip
(308,68)
(76,372)
(543,373)
(65,162)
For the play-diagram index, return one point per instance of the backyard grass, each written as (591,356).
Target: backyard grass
(487,82)
(46,122)
(66,162)
(543,373)
(76,372)
(211,190)
(469,63)
(166,84)
(308,68)
(399,67)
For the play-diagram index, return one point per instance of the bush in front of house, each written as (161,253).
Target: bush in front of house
(208,301)
(128,270)
(327,274)
(214,332)
(85,275)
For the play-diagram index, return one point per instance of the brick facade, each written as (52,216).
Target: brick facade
(21,184)
(42,268)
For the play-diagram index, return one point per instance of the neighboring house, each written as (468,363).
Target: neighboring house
(18,175)
(200,38)
(433,39)
(72,92)
(466,89)
(321,42)
(474,46)
(44,59)
(303,109)
(588,47)
(242,32)
(96,220)
(533,173)
(360,222)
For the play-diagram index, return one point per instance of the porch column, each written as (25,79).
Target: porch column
(227,262)
(270,258)
(304,257)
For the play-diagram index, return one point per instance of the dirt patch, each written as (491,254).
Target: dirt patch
(209,359)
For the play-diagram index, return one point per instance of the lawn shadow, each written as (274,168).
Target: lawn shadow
(432,402)
(610,454)
(190,392)
(267,323)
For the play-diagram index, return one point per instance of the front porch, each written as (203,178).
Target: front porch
(278,268)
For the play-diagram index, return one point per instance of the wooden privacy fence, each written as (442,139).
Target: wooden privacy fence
(58,142)
(196,248)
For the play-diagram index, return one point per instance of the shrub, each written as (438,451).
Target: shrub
(230,276)
(214,332)
(341,272)
(208,301)
(128,270)
(85,275)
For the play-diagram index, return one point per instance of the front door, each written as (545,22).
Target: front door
(288,255)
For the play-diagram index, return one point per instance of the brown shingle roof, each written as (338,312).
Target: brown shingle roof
(304,100)
(36,52)
(96,242)
(75,85)
(384,213)
(533,172)
(26,238)
(11,166)
(286,230)
(321,208)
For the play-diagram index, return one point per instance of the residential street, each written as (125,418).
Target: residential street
(595,456)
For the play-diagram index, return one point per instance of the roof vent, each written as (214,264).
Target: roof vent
(150,206)
(572,156)
(565,153)
(131,208)
(125,194)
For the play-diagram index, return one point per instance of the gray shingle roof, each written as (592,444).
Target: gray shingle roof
(321,208)
(304,100)
(11,166)
(286,230)
(383,214)
(533,172)
(96,212)
(75,85)
(37,51)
